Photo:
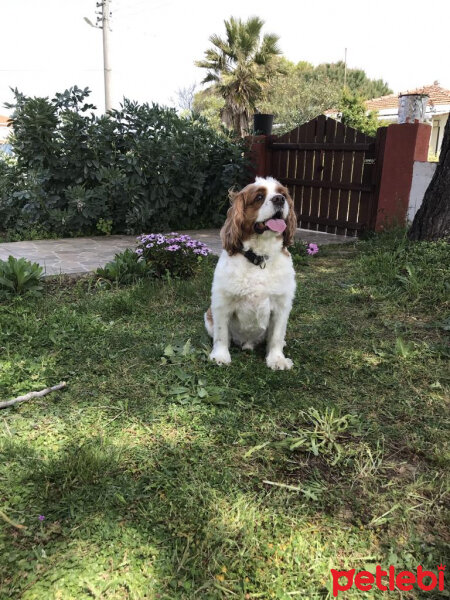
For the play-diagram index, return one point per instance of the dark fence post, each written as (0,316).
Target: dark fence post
(258,152)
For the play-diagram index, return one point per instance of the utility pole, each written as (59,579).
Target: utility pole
(103,20)
(106,61)
(345,70)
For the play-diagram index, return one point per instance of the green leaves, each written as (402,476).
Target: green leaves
(19,276)
(125,268)
(73,170)
(241,66)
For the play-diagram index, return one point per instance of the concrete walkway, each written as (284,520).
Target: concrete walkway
(82,255)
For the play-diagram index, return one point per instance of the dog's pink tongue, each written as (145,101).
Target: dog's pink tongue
(277,225)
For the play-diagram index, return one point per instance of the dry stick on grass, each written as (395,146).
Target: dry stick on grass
(31,395)
(10,522)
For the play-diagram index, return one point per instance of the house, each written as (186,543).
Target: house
(436,113)
(4,133)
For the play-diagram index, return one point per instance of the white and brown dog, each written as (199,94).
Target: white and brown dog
(254,281)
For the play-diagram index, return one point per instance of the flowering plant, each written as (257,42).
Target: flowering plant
(301,250)
(312,249)
(171,254)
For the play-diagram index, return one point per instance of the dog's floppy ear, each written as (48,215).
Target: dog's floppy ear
(291,221)
(231,232)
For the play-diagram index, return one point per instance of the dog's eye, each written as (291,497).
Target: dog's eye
(259,197)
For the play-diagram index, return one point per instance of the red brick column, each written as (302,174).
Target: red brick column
(403,144)
(259,154)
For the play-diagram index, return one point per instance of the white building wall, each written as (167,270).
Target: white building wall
(422,174)
(4,132)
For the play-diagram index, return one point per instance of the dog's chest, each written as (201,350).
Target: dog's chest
(243,280)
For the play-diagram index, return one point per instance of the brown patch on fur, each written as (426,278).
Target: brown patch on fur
(241,217)
(209,316)
(291,221)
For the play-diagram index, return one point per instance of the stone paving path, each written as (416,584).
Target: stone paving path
(82,255)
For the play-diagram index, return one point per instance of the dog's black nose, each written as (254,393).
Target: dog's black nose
(278,200)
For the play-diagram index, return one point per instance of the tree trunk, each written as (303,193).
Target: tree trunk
(432,220)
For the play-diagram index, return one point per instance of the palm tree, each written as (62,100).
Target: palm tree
(240,67)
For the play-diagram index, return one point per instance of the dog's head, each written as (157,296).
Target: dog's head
(261,208)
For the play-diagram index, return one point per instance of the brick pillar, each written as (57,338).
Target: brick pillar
(402,144)
(259,154)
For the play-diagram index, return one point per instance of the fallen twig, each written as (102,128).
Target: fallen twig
(294,488)
(10,522)
(31,395)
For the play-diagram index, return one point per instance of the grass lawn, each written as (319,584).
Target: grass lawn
(151,468)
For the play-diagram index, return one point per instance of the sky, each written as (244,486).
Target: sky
(46,46)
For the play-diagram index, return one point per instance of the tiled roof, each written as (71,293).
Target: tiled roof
(437,96)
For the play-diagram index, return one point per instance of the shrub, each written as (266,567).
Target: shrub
(19,276)
(138,168)
(125,268)
(171,255)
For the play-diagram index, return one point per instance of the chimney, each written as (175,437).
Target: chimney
(412,108)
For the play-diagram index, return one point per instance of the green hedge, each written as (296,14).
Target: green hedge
(140,168)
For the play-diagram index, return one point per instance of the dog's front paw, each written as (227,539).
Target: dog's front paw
(278,362)
(221,356)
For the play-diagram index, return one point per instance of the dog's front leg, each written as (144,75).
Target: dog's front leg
(275,358)
(220,353)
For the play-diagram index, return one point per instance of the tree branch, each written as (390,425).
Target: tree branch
(31,395)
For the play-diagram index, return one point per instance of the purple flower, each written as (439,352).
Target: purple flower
(312,249)
(173,248)
(191,244)
(149,245)
(139,251)
(41,517)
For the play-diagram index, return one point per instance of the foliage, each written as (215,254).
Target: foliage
(296,96)
(105,226)
(353,113)
(126,268)
(19,276)
(240,67)
(296,93)
(140,167)
(171,255)
(356,80)
(142,466)
(210,106)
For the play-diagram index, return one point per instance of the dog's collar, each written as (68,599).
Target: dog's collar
(256,259)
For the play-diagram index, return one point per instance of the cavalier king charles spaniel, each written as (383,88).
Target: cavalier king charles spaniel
(254,280)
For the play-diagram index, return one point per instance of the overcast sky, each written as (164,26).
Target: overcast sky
(46,46)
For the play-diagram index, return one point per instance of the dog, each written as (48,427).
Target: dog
(254,281)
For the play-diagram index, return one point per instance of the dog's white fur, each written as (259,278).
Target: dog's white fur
(250,304)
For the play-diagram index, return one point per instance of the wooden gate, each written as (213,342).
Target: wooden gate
(330,171)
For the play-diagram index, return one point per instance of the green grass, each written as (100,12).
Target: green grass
(150,468)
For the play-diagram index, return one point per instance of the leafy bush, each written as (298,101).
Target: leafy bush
(413,273)
(171,255)
(138,168)
(125,268)
(19,276)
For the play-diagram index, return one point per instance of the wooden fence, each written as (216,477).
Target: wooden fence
(331,172)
